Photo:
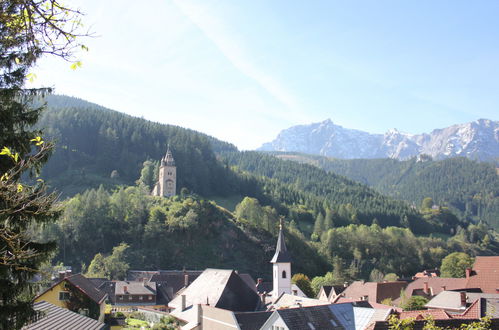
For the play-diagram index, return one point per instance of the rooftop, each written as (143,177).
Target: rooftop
(61,318)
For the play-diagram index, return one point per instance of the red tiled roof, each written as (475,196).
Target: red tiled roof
(486,274)
(436,314)
(375,291)
(436,285)
(472,312)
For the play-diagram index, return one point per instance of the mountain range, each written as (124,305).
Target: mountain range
(477,140)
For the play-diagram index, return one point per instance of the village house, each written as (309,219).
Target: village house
(76,293)
(459,303)
(330,292)
(374,292)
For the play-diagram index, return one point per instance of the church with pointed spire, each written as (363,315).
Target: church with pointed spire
(281,272)
(167,178)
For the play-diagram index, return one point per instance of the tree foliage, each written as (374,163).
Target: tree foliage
(28,30)
(113,267)
(455,264)
(414,303)
(468,188)
(303,282)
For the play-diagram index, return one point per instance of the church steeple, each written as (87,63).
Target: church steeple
(168,160)
(281,265)
(281,252)
(167,176)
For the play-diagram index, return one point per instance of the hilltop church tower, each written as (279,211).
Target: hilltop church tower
(281,266)
(167,178)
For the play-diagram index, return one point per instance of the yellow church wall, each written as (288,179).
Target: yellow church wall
(52,295)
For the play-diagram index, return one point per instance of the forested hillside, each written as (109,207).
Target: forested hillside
(104,164)
(181,232)
(469,188)
(95,145)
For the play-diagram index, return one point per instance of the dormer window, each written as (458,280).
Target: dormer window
(283,274)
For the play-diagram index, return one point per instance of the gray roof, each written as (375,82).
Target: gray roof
(313,317)
(251,320)
(220,288)
(248,280)
(452,299)
(174,280)
(136,288)
(56,318)
(281,253)
(83,284)
(168,159)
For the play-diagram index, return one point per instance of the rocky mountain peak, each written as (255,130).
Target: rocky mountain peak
(477,140)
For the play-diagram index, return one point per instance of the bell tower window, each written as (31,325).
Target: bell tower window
(283,274)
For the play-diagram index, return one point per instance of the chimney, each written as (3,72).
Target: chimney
(144,282)
(345,284)
(62,274)
(463,299)
(182,307)
(259,281)
(186,280)
(443,287)
(263,297)
(468,272)
(125,289)
(425,288)
(68,272)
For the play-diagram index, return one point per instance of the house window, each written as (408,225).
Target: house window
(141,297)
(129,297)
(120,297)
(63,295)
(150,297)
(283,274)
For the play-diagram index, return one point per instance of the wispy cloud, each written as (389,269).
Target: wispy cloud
(231,47)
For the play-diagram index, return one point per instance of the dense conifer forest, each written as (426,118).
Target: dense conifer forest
(469,188)
(106,162)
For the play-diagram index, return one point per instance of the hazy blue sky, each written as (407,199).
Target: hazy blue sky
(243,70)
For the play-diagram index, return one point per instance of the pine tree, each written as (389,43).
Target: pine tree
(319,225)
(28,29)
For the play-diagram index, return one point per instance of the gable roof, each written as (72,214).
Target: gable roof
(61,318)
(264,287)
(220,288)
(86,286)
(248,280)
(313,317)
(375,291)
(435,285)
(251,320)
(338,289)
(326,289)
(286,300)
(436,314)
(83,284)
(135,288)
(486,274)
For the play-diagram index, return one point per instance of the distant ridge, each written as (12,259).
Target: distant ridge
(477,140)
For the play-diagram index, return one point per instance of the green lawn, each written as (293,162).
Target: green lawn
(137,323)
(229,202)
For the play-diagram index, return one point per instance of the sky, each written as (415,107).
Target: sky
(244,70)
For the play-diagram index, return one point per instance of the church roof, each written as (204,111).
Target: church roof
(168,159)
(281,253)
